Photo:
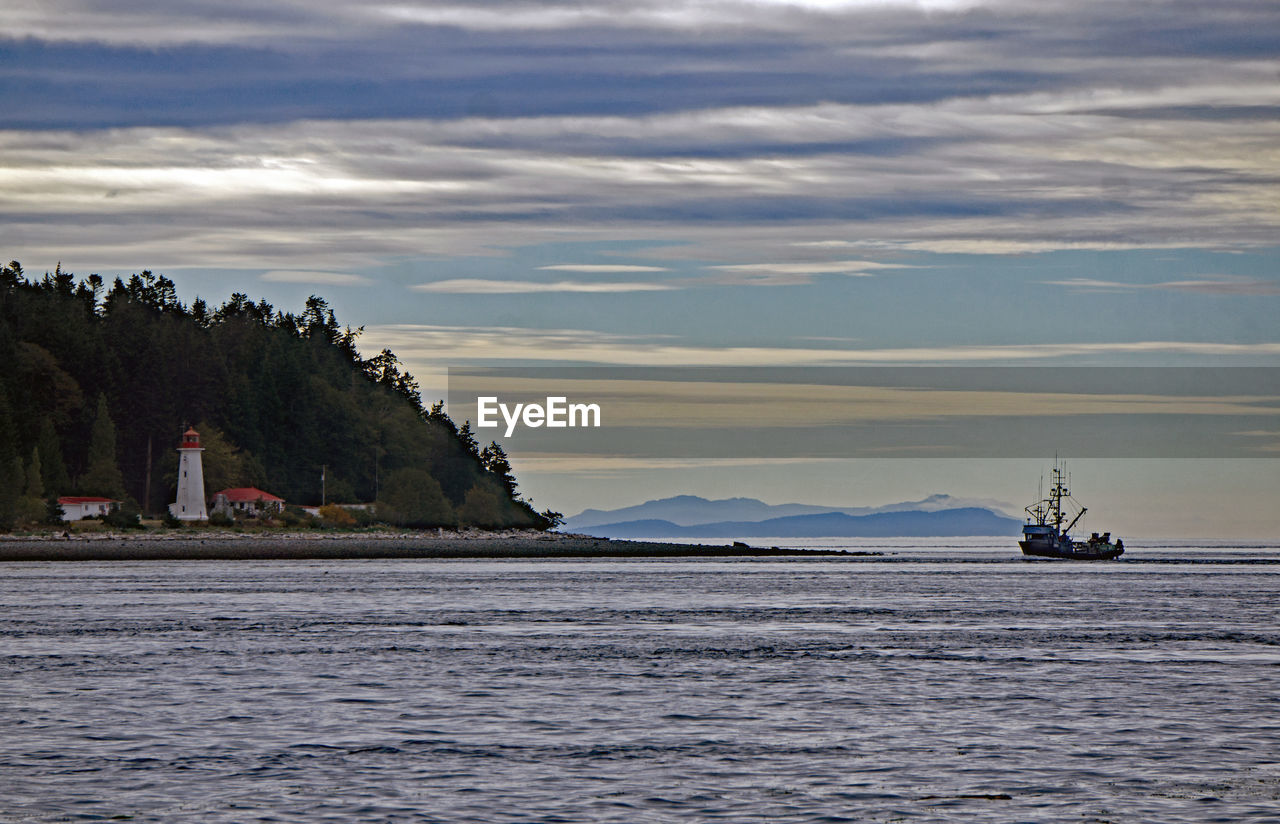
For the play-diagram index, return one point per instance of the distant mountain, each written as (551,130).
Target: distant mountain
(689,510)
(905,524)
(938,502)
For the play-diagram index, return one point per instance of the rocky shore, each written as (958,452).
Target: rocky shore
(219,545)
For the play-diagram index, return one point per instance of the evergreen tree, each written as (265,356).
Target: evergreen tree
(290,392)
(53,515)
(494,460)
(468,439)
(31,506)
(35,478)
(11,477)
(102,473)
(52,467)
(438,415)
(14,505)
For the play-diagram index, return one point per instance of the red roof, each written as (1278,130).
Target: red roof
(84,500)
(248,494)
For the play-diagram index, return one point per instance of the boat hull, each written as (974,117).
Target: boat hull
(1072,551)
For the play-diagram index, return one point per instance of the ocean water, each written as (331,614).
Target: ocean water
(929,684)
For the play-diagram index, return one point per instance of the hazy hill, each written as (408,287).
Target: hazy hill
(691,509)
(916,524)
(688,510)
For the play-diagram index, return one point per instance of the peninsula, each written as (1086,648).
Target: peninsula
(215,545)
(103,381)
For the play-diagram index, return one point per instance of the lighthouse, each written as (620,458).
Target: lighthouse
(190,503)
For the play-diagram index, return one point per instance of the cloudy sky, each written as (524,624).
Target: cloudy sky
(656,182)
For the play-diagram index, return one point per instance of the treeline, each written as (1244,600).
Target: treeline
(98,384)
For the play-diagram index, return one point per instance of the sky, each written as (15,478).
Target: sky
(714,184)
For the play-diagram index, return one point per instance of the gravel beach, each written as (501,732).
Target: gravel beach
(248,546)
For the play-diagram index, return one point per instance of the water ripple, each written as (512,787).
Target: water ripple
(624,691)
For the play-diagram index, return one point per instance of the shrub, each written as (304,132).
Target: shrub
(334,515)
(483,508)
(296,516)
(125,516)
(411,497)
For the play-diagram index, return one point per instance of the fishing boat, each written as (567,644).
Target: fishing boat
(1044,536)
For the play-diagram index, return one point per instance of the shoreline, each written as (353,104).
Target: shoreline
(341,546)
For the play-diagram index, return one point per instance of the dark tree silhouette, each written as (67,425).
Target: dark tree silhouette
(288,393)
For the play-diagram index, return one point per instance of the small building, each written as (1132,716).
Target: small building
(78,508)
(247,501)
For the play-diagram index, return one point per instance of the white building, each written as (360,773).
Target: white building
(189,505)
(247,500)
(79,508)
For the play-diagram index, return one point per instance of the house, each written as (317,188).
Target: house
(247,501)
(79,508)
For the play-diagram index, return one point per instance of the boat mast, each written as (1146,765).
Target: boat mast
(1083,510)
(1056,492)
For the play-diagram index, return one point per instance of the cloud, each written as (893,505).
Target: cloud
(989,246)
(428,347)
(796,273)
(339,134)
(725,399)
(477,286)
(601,268)
(138,22)
(569,462)
(316,278)
(1094,285)
(1237,286)
(1004,175)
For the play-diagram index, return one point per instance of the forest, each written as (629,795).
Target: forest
(98,384)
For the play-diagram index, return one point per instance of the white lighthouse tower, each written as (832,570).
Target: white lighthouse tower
(190,503)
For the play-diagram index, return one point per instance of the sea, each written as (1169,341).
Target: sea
(936,681)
